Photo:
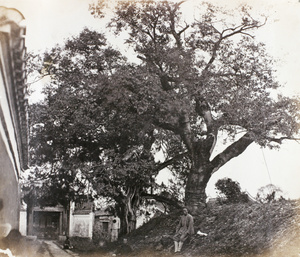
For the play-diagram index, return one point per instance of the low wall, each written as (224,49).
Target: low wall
(23,223)
(81,225)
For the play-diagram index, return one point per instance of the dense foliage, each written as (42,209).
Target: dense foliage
(231,190)
(200,79)
(106,117)
(86,127)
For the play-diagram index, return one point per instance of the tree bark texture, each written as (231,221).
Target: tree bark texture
(202,169)
(128,206)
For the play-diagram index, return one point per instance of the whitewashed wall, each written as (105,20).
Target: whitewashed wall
(23,222)
(81,225)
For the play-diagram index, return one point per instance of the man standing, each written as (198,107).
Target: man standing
(184,229)
(115,228)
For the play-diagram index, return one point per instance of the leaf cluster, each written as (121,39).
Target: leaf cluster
(89,122)
(231,190)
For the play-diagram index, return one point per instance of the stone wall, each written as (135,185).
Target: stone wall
(102,228)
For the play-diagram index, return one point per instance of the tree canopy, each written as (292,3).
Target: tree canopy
(193,81)
(87,125)
(206,77)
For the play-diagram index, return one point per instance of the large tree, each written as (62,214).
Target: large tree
(87,125)
(201,79)
(105,116)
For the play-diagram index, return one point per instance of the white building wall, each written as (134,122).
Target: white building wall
(81,225)
(23,222)
(13,123)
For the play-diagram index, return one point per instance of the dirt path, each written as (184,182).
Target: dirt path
(54,250)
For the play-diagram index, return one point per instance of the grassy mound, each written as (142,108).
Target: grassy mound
(233,230)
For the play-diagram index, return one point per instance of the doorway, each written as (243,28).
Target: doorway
(46,225)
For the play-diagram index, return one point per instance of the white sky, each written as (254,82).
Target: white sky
(50,22)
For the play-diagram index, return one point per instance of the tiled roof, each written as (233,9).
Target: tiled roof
(13,34)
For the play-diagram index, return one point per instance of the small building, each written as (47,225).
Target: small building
(13,116)
(48,222)
(81,219)
(78,220)
(102,226)
(89,223)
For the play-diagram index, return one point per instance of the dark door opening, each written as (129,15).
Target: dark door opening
(46,224)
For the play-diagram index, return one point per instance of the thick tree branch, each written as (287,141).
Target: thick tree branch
(172,202)
(212,58)
(231,151)
(165,164)
(186,132)
(164,80)
(175,34)
(165,125)
(203,109)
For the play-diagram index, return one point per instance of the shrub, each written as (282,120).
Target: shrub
(269,193)
(232,191)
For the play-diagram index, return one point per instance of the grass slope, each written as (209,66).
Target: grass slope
(260,230)
(233,230)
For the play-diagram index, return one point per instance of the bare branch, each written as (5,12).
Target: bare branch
(180,3)
(184,29)
(37,80)
(175,34)
(279,140)
(247,34)
(232,29)
(237,30)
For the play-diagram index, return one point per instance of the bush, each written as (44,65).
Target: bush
(232,191)
(269,193)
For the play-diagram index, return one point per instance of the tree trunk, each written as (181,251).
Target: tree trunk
(202,169)
(129,205)
(129,218)
(195,196)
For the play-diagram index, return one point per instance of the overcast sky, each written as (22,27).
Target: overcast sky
(50,22)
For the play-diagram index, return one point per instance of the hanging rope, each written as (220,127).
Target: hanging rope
(266,166)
